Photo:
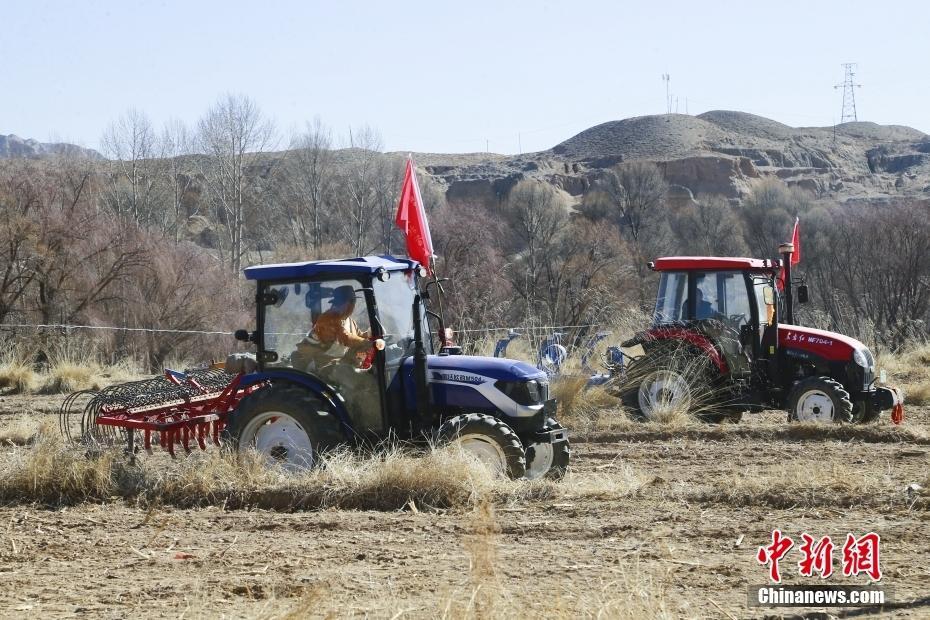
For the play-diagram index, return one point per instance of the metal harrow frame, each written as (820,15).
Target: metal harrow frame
(170,410)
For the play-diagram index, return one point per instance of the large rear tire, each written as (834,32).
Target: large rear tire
(819,400)
(283,425)
(488,439)
(663,387)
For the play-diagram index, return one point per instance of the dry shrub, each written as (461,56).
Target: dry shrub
(834,486)
(797,432)
(910,370)
(686,385)
(54,474)
(577,401)
(23,432)
(17,376)
(68,376)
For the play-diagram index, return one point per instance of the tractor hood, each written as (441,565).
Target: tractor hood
(828,345)
(481,368)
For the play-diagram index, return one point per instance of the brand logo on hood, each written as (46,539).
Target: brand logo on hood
(458,377)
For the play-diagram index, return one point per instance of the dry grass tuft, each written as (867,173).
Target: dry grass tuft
(24,432)
(581,406)
(68,376)
(833,486)
(17,376)
(55,474)
(909,370)
(805,433)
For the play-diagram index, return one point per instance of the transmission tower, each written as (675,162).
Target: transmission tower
(849,94)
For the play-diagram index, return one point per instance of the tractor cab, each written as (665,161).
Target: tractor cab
(348,322)
(728,300)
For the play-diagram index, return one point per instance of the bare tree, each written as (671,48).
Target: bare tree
(710,227)
(307,185)
(131,145)
(358,183)
(768,213)
(537,214)
(232,135)
(176,143)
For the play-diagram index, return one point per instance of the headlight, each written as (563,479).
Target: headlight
(863,358)
(524,392)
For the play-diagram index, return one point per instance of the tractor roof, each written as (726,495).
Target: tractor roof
(368,265)
(713,263)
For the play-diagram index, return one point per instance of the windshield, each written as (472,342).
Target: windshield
(395,311)
(671,306)
(290,322)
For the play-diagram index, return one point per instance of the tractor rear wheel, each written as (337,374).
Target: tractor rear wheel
(282,425)
(548,460)
(663,388)
(819,399)
(488,439)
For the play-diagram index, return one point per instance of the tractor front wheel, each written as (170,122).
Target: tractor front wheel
(819,400)
(548,460)
(488,439)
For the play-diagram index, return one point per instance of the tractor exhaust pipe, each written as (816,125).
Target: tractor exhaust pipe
(786,250)
(420,370)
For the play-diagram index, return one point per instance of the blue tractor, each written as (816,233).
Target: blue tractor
(405,383)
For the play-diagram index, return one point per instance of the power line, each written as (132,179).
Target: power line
(849,87)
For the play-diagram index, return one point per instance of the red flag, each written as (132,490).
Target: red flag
(411,219)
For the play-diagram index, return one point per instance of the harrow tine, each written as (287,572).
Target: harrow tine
(148,441)
(201,436)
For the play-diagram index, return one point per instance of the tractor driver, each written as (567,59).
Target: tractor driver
(703,309)
(334,348)
(335,336)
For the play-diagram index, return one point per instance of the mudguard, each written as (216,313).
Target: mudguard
(312,384)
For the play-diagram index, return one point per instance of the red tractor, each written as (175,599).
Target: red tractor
(723,341)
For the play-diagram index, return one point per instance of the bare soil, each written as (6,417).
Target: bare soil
(682,545)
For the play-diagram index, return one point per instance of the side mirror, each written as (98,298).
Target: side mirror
(803,296)
(243,335)
(768,295)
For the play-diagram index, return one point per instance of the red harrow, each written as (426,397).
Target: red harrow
(174,409)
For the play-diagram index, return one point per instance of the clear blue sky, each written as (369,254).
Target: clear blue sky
(446,77)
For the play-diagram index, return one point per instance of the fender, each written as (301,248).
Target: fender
(312,384)
(692,338)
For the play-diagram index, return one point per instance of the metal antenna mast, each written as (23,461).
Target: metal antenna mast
(668,99)
(849,94)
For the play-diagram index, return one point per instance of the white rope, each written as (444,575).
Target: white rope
(528,329)
(151,330)
(155,330)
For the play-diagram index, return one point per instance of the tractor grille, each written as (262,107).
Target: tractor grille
(868,373)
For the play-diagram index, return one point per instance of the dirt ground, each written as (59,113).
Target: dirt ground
(683,544)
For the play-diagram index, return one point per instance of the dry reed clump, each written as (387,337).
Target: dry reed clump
(17,376)
(23,432)
(52,473)
(68,370)
(797,432)
(910,370)
(836,486)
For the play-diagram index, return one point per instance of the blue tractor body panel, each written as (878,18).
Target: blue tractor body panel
(369,265)
(469,383)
